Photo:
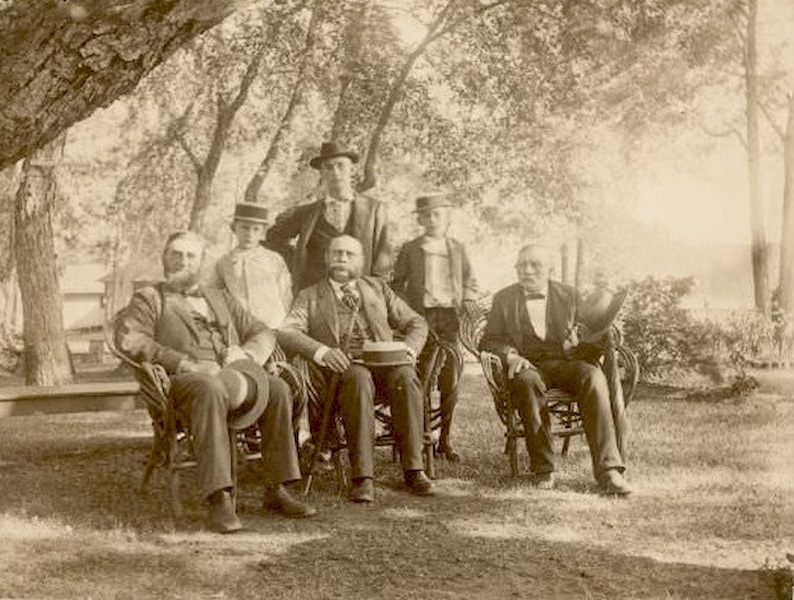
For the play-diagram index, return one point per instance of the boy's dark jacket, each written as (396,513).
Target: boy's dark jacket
(409,273)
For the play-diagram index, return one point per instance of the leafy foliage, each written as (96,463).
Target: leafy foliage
(669,340)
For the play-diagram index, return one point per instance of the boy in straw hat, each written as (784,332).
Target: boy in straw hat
(257,277)
(435,277)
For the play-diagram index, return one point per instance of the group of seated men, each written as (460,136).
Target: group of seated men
(213,343)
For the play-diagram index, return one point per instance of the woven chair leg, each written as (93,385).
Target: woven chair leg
(151,464)
(430,465)
(173,489)
(339,469)
(565,445)
(512,447)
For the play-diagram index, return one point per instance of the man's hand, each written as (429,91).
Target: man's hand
(232,354)
(516,363)
(470,308)
(206,367)
(571,342)
(336,360)
(411,354)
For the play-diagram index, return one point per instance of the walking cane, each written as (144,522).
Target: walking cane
(329,402)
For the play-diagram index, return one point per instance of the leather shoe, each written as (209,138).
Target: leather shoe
(222,517)
(362,490)
(612,483)
(543,481)
(278,499)
(418,483)
(445,450)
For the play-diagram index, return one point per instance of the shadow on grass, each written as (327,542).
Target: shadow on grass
(484,535)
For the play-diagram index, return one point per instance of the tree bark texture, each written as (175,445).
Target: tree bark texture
(63,59)
(760,249)
(46,356)
(787,234)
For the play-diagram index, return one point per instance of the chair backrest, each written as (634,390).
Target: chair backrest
(471,327)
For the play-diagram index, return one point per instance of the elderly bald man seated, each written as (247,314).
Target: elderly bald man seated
(531,326)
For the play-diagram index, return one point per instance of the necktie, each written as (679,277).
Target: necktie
(534,295)
(349,297)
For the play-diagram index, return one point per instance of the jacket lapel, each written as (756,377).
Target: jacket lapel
(178,307)
(516,307)
(306,232)
(326,305)
(559,312)
(219,308)
(456,267)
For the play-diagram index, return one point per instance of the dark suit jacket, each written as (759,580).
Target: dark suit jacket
(409,273)
(312,322)
(369,226)
(503,330)
(158,327)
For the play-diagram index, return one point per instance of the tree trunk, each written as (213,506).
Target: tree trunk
(46,356)
(353,45)
(285,125)
(760,250)
(787,235)
(206,170)
(63,59)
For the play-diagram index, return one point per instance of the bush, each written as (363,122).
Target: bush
(670,342)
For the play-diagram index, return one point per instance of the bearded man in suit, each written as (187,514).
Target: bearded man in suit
(531,326)
(328,324)
(302,234)
(212,349)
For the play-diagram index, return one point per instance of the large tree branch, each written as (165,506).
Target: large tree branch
(724,133)
(63,60)
(781,133)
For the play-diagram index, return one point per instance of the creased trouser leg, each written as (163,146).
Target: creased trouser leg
(356,397)
(529,398)
(407,410)
(279,455)
(204,399)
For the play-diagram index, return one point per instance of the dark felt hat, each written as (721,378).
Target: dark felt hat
(249,211)
(255,403)
(332,150)
(431,201)
(599,310)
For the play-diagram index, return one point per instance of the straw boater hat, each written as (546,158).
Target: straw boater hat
(332,150)
(431,201)
(249,211)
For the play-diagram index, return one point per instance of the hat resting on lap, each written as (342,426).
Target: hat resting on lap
(256,392)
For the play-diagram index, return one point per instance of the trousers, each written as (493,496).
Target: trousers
(359,389)
(587,383)
(205,401)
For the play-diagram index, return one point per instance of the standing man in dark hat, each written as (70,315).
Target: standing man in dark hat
(212,349)
(302,234)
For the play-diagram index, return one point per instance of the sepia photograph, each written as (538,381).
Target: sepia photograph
(397,299)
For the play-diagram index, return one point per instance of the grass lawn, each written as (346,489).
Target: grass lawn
(713,516)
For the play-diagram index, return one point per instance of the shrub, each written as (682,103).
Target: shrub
(669,341)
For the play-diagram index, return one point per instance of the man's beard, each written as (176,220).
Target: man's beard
(180,281)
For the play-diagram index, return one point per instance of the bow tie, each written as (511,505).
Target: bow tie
(534,295)
(194,292)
